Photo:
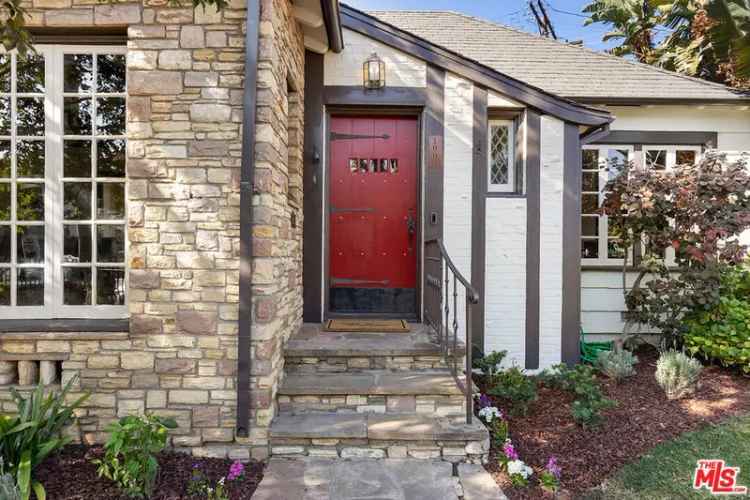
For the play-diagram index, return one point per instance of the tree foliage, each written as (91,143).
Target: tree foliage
(708,39)
(697,211)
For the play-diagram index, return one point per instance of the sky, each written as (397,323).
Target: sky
(566,15)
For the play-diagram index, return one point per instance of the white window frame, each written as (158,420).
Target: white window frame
(604,177)
(639,160)
(53,198)
(671,154)
(510,186)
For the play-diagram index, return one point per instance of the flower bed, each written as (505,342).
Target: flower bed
(642,418)
(70,475)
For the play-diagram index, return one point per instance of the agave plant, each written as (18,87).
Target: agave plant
(27,438)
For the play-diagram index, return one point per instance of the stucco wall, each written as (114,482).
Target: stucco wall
(345,68)
(505,283)
(552,147)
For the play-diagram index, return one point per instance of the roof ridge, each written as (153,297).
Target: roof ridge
(598,53)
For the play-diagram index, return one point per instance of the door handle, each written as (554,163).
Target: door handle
(411,225)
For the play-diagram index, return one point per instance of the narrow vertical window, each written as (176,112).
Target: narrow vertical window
(590,204)
(501,168)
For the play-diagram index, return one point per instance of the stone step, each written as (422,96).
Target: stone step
(312,350)
(379,436)
(425,392)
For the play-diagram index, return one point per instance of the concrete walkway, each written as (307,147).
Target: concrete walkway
(369,479)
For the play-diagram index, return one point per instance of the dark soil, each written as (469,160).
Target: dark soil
(70,475)
(642,419)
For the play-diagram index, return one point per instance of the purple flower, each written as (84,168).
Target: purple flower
(484,401)
(510,451)
(553,468)
(196,465)
(235,470)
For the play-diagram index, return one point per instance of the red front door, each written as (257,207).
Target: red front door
(373,214)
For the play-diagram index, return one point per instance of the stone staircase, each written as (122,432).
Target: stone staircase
(372,395)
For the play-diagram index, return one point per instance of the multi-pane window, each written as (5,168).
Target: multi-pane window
(666,157)
(501,168)
(599,242)
(63,184)
(599,164)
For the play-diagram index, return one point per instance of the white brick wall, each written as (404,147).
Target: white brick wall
(401,69)
(550,268)
(505,279)
(459,97)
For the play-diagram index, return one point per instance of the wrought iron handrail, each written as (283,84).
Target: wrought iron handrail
(437,314)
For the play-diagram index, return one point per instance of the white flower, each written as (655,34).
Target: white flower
(489,413)
(518,467)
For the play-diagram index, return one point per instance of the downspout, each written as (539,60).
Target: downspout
(332,19)
(247,181)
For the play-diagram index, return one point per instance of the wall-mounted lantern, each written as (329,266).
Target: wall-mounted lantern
(373,72)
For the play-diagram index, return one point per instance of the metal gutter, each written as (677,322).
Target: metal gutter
(247,180)
(332,19)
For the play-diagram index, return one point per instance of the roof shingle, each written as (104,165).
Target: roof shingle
(566,70)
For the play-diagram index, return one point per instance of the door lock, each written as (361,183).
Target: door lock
(411,225)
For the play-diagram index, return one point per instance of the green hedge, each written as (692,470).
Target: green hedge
(723,332)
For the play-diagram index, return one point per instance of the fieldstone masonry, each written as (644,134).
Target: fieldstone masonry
(184,113)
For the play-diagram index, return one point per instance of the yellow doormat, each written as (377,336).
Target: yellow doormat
(366,325)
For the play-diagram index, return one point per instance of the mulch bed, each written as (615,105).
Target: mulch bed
(642,419)
(70,475)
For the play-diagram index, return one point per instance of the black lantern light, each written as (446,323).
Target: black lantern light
(373,72)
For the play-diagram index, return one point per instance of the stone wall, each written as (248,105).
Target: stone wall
(184,113)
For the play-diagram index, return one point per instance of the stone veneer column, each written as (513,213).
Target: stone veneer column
(277,245)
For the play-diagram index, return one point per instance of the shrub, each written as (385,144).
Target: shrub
(489,364)
(130,452)
(581,381)
(27,438)
(616,365)
(516,387)
(723,332)
(677,374)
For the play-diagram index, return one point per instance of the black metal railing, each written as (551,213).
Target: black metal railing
(441,299)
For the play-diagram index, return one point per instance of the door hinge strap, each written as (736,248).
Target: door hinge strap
(349,281)
(335,210)
(335,136)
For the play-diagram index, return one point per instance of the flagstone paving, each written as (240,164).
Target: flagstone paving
(370,479)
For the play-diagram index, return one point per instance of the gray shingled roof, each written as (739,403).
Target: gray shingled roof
(556,67)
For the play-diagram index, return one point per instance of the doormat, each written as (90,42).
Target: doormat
(366,325)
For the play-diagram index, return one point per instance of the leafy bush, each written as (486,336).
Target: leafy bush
(699,211)
(27,438)
(130,452)
(513,385)
(677,374)
(489,364)
(723,332)
(581,381)
(617,365)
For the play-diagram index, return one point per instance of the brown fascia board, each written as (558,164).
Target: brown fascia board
(485,76)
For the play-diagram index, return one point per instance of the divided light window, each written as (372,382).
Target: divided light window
(63,183)
(501,168)
(599,243)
